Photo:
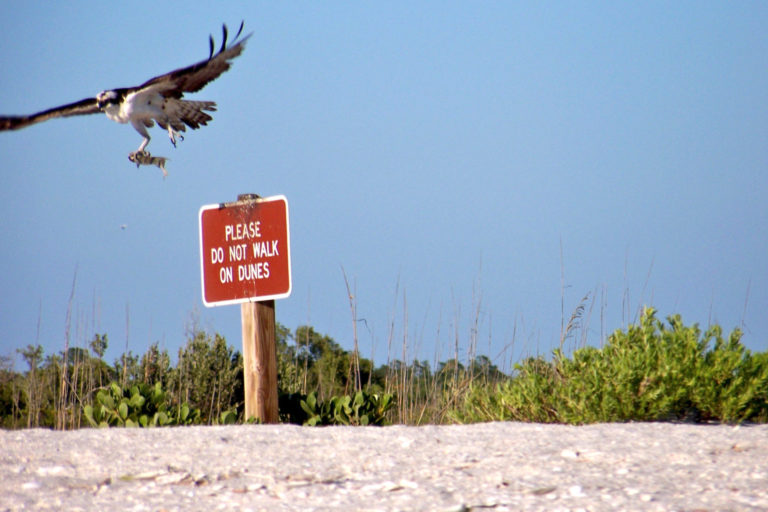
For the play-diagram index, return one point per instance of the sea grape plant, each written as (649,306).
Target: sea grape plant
(140,405)
(362,409)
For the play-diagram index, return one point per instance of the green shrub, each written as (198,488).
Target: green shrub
(290,409)
(140,405)
(649,372)
(228,417)
(363,409)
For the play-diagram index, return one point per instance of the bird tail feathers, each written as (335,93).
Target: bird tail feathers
(186,112)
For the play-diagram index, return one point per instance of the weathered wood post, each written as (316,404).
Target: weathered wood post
(259,360)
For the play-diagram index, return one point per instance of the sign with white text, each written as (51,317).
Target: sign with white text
(245,251)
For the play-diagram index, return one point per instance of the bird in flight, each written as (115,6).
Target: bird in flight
(158,100)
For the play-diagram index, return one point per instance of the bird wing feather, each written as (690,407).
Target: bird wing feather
(78,108)
(193,78)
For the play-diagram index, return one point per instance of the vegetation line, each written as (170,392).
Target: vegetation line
(651,371)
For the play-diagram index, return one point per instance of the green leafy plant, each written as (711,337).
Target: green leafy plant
(140,405)
(228,417)
(363,409)
(649,372)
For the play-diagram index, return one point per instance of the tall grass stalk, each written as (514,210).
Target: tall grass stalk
(355,361)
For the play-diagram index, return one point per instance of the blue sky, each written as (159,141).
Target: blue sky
(474,168)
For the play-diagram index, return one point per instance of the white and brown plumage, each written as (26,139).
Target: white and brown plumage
(156,100)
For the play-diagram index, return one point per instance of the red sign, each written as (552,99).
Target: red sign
(245,251)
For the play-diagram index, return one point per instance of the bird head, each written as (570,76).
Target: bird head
(106,98)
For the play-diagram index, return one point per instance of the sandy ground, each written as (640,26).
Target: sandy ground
(493,466)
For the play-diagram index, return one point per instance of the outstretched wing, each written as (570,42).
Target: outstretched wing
(195,77)
(78,108)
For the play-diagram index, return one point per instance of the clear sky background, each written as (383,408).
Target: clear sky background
(474,168)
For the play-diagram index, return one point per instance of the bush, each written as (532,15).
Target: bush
(361,409)
(140,405)
(650,372)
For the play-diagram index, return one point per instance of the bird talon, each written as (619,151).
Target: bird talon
(139,157)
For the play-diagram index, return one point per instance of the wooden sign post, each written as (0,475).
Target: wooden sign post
(259,360)
(245,258)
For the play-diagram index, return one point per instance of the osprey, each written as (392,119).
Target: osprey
(158,100)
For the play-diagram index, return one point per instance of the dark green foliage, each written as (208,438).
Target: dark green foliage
(11,398)
(99,344)
(208,376)
(35,386)
(290,410)
(141,405)
(361,409)
(127,368)
(228,417)
(650,372)
(155,366)
(50,394)
(319,364)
